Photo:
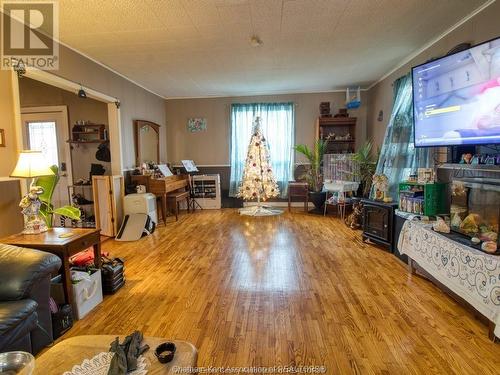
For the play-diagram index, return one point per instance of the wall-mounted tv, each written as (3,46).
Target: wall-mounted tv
(456,99)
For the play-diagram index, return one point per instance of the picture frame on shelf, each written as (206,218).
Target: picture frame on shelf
(425,175)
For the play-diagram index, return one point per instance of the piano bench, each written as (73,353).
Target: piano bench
(176,197)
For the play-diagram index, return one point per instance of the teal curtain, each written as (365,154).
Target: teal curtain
(278,126)
(398,156)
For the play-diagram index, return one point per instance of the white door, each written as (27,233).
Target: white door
(46,129)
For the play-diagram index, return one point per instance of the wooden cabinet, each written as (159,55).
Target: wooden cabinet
(340,132)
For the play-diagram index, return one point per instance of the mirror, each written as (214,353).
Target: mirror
(147,142)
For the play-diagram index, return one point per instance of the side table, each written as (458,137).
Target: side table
(298,189)
(64,247)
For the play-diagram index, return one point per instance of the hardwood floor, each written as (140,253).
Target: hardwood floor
(295,289)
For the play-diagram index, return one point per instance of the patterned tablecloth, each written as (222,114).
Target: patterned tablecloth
(470,273)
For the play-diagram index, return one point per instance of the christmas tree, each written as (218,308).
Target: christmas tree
(258,181)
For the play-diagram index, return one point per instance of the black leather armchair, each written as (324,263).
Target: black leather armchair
(25,320)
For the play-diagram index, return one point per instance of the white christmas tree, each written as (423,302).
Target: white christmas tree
(258,181)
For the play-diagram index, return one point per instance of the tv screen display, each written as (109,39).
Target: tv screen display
(456,99)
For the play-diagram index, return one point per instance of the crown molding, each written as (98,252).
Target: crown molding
(262,93)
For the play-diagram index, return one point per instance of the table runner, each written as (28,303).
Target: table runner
(470,273)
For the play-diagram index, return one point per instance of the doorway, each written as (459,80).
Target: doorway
(46,129)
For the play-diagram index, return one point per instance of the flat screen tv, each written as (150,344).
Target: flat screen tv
(456,99)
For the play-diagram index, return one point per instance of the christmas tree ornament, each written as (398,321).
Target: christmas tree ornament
(258,178)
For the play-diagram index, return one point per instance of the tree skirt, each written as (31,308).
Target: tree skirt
(260,211)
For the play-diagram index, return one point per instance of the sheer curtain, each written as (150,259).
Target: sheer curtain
(398,156)
(278,126)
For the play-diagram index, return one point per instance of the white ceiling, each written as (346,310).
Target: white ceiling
(197,48)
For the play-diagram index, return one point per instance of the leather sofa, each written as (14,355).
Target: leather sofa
(25,319)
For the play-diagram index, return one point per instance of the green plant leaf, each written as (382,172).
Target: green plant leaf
(70,212)
(304,150)
(315,158)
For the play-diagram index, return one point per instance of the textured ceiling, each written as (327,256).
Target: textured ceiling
(195,48)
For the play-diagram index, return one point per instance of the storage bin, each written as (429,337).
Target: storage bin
(62,321)
(113,275)
(57,290)
(87,294)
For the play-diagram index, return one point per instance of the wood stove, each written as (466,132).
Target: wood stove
(378,220)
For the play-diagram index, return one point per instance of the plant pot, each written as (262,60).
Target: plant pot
(318,199)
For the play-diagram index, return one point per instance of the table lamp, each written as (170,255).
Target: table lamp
(32,164)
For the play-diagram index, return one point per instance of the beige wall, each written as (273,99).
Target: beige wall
(34,94)
(8,155)
(211,147)
(136,103)
(482,27)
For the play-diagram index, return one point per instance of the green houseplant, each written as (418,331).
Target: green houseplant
(47,210)
(367,161)
(313,174)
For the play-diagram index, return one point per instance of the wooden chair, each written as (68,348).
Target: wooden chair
(298,189)
(175,197)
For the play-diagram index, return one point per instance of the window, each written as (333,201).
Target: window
(278,126)
(42,137)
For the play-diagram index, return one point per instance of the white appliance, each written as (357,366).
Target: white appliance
(140,204)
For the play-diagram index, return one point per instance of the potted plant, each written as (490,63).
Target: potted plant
(47,210)
(313,174)
(367,164)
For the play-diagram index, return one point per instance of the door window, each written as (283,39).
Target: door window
(42,137)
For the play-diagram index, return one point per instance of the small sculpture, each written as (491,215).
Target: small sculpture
(441,226)
(354,219)
(466,158)
(456,220)
(381,185)
(30,205)
(489,247)
(470,224)
(458,189)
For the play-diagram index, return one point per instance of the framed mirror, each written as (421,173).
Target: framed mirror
(147,142)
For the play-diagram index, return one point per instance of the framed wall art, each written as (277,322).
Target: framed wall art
(197,125)
(2,138)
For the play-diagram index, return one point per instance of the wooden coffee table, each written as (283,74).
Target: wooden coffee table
(68,353)
(64,247)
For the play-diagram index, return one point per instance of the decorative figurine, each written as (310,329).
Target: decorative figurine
(489,247)
(354,219)
(30,205)
(381,185)
(475,241)
(441,226)
(466,158)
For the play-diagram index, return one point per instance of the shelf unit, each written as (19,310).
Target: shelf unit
(206,191)
(87,209)
(422,199)
(88,133)
(340,127)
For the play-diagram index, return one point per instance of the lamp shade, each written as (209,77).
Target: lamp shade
(31,164)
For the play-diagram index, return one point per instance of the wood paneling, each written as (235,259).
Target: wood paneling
(292,289)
